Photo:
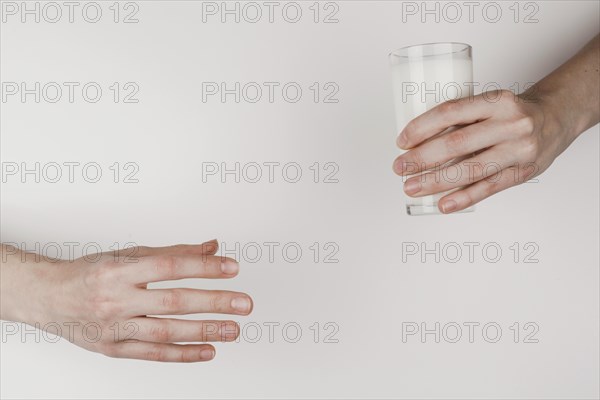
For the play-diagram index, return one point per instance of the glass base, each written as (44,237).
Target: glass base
(432,210)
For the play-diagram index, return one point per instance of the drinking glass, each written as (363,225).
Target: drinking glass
(424,76)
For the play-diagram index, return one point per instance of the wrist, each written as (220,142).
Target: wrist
(554,119)
(562,107)
(23,283)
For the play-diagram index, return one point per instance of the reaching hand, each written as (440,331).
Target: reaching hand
(109,306)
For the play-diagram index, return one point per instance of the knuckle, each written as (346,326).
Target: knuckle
(155,353)
(99,299)
(109,260)
(456,141)
(189,355)
(172,300)
(207,330)
(478,171)
(527,172)
(490,188)
(415,160)
(500,97)
(506,95)
(102,275)
(524,124)
(103,308)
(107,274)
(469,198)
(449,107)
(90,279)
(161,333)
(216,302)
(166,265)
(183,356)
(432,182)
(475,171)
(209,263)
(529,149)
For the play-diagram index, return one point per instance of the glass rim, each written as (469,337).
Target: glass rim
(452,50)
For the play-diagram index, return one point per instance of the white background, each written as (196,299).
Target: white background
(370,292)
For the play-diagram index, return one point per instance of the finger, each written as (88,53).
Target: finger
(174,267)
(168,330)
(461,142)
(206,248)
(482,166)
(483,189)
(163,352)
(463,111)
(182,301)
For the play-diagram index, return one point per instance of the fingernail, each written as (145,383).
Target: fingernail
(207,354)
(210,246)
(412,186)
(241,304)
(402,140)
(230,267)
(449,206)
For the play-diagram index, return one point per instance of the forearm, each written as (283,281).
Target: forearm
(20,277)
(571,93)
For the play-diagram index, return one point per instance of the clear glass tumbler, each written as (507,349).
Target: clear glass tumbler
(424,76)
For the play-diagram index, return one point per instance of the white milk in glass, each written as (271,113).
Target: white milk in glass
(422,79)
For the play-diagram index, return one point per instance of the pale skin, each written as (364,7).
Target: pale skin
(505,139)
(522,134)
(109,293)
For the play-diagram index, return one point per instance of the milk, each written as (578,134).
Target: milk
(420,84)
(435,80)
